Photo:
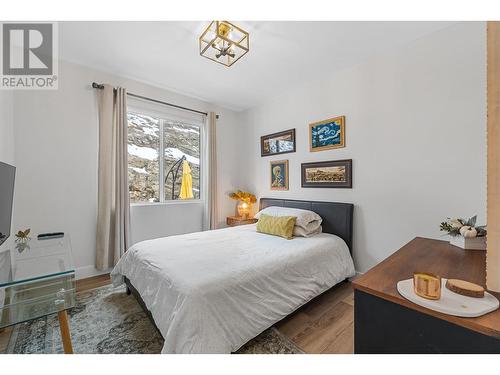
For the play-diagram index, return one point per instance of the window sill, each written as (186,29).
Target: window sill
(170,203)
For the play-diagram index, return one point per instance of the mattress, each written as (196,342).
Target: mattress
(211,292)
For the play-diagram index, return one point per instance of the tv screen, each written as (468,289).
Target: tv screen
(7,175)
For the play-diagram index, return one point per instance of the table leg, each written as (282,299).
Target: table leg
(65,334)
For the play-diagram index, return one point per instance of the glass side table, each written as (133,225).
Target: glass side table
(37,278)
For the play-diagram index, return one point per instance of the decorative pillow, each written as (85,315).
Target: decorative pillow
(277,225)
(301,232)
(306,219)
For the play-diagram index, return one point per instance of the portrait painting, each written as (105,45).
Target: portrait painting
(327,134)
(277,143)
(329,174)
(279,175)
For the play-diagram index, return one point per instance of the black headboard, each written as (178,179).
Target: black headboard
(337,217)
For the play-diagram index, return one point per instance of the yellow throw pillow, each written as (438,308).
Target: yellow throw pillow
(277,225)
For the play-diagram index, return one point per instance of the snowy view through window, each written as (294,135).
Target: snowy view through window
(179,139)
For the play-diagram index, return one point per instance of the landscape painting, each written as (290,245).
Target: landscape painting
(279,175)
(327,134)
(327,174)
(277,143)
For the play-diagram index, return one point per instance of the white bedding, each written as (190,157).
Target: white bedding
(211,292)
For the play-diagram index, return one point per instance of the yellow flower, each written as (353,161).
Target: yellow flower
(243,196)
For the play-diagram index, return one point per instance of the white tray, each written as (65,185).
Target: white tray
(451,303)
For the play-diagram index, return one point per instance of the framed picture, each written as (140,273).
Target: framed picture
(327,134)
(327,174)
(279,175)
(277,143)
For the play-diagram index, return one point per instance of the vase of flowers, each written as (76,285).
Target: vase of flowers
(464,233)
(245,202)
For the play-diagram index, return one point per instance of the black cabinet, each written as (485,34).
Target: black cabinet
(382,326)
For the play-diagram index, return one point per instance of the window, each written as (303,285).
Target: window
(158,143)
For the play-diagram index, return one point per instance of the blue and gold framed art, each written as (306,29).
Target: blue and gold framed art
(327,134)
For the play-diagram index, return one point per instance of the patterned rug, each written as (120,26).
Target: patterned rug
(106,320)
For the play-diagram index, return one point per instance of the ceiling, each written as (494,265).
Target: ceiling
(282,54)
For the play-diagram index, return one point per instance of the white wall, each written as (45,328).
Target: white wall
(56,143)
(7,138)
(6,127)
(415,129)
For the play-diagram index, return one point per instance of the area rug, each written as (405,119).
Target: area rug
(106,320)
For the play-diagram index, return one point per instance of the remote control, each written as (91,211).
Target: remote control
(48,236)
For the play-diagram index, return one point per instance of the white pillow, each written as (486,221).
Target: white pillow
(301,232)
(308,220)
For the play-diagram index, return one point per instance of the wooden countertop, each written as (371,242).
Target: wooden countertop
(441,258)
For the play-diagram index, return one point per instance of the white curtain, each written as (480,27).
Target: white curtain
(212,208)
(113,215)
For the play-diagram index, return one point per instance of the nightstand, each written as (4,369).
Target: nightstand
(234,221)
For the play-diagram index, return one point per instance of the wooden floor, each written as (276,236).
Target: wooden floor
(92,282)
(324,325)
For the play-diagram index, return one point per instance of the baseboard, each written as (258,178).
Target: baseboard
(89,271)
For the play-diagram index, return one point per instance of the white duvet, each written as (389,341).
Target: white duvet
(211,292)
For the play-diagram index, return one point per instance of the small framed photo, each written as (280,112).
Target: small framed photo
(327,134)
(277,143)
(279,175)
(327,174)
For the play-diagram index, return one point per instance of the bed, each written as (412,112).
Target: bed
(211,292)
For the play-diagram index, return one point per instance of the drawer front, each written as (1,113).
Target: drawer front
(383,327)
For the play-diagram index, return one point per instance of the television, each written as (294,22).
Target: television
(7,176)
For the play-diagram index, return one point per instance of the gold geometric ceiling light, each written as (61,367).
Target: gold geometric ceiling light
(224,42)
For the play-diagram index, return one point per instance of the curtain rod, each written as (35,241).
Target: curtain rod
(101,86)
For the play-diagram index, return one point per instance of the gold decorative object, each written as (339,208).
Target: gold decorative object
(427,285)
(224,42)
(243,210)
(465,288)
(245,202)
(22,236)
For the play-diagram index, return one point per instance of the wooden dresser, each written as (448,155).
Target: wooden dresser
(385,322)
